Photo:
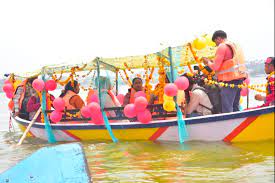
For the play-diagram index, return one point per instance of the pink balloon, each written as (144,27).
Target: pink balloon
(170,89)
(7,82)
(56,116)
(38,84)
(144,116)
(247,81)
(244,92)
(182,83)
(129,111)
(8,88)
(93,98)
(97,118)
(139,94)
(59,104)
(50,85)
(85,112)
(9,95)
(140,104)
(94,107)
(120,98)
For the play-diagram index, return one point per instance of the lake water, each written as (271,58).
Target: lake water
(157,161)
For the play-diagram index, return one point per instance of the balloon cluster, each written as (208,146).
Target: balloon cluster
(171,90)
(59,106)
(39,85)
(138,108)
(58,103)
(203,41)
(92,110)
(8,89)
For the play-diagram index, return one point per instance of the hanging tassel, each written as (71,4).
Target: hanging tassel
(107,124)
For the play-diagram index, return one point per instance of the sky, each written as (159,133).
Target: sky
(34,33)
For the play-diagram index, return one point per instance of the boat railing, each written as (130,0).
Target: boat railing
(156,109)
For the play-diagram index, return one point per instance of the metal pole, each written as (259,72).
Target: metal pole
(116,82)
(171,64)
(98,85)
(48,128)
(247,98)
(106,121)
(182,131)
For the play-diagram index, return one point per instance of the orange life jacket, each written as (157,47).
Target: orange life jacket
(69,94)
(234,68)
(50,99)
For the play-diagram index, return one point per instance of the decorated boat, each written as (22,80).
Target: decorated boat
(243,126)
(164,120)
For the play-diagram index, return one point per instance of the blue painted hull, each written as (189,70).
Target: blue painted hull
(64,163)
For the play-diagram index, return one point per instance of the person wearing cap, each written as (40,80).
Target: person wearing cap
(270,89)
(229,67)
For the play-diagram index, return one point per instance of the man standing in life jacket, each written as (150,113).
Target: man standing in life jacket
(229,67)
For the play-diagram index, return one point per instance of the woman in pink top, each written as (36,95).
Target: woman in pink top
(270,89)
(33,105)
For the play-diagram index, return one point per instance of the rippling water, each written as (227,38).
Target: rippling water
(156,161)
(162,161)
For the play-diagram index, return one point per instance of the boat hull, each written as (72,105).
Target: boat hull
(250,125)
(61,163)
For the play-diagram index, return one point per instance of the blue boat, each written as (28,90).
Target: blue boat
(64,163)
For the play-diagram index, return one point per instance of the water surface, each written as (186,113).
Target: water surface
(156,161)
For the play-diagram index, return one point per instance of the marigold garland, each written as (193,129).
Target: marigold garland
(147,86)
(186,56)
(127,77)
(203,69)
(159,89)
(90,85)
(128,68)
(76,115)
(241,86)
(127,82)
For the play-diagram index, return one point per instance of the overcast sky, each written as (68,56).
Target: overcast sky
(34,33)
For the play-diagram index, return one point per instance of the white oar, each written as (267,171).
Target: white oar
(29,127)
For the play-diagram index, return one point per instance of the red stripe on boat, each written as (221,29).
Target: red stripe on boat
(71,135)
(158,133)
(239,129)
(31,134)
